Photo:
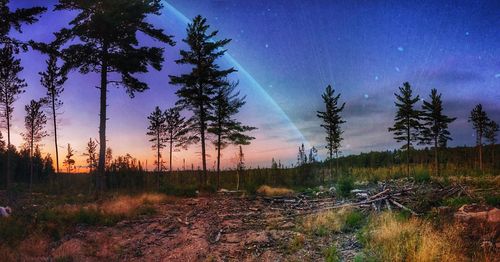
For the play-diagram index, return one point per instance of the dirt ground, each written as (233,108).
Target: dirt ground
(216,228)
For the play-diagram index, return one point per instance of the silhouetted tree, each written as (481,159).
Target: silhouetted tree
(491,135)
(34,122)
(223,125)
(109,157)
(13,20)
(332,121)
(435,125)
(240,166)
(11,86)
(106,42)
(53,79)
(157,133)
(479,120)
(200,85)
(69,161)
(301,156)
(176,132)
(313,155)
(406,122)
(91,154)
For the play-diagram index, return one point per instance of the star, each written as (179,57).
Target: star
(401,49)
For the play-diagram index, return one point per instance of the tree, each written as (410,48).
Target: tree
(301,156)
(157,131)
(200,85)
(34,122)
(223,125)
(176,132)
(53,79)
(435,125)
(105,34)
(313,155)
(491,135)
(69,161)
(406,122)
(13,20)
(109,157)
(11,86)
(332,121)
(91,154)
(240,166)
(479,120)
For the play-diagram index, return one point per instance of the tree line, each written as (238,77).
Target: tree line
(427,125)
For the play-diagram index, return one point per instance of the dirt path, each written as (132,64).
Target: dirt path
(220,228)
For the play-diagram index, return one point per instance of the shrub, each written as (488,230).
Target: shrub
(345,185)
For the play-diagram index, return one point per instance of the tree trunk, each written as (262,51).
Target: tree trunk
(480,153)
(158,163)
(55,129)
(170,160)
(100,181)
(31,158)
(408,137)
(202,135)
(7,115)
(436,160)
(218,160)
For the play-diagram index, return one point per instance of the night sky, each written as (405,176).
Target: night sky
(287,52)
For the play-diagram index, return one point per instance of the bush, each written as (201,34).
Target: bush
(345,185)
(274,191)
(353,220)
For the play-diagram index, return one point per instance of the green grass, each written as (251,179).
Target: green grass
(353,220)
(331,254)
(344,186)
(457,202)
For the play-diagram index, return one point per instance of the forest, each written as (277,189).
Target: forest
(424,201)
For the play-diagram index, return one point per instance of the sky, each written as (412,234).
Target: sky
(286,53)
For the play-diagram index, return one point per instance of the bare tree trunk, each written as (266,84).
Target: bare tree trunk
(55,129)
(480,153)
(7,115)
(218,160)
(31,159)
(170,163)
(408,137)
(436,160)
(100,181)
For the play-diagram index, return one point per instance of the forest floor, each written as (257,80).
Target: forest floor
(234,227)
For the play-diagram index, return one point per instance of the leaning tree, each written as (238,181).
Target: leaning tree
(105,41)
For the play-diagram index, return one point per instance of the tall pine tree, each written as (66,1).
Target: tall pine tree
(332,121)
(11,86)
(199,86)
(479,120)
(157,130)
(226,129)
(105,42)
(435,125)
(406,122)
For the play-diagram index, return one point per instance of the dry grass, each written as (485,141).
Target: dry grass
(120,206)
(332,221)
(274,191)
(393,239)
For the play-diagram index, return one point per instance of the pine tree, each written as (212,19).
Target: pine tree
(199,86)
(176,132)
(301,156)
(406,122)
(34,122)
(240,166)
(105,41)
(53,79)
(157,130)
(332,121)
(13,20)
(69,162)
(313,155)
(491,135)
(11,86)
(91,154)
(435,125)
(226,129)
(479,120)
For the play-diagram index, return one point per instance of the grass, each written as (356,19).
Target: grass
(388,237)
(345,185)
(333,221)
(274,191)
(331,254)
(296,243)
